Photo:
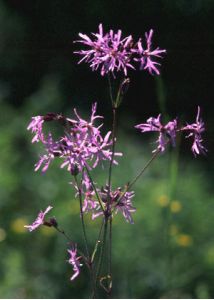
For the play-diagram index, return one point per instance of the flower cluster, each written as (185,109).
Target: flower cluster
(167,133)
(81,146)
(113,53)
(112,201)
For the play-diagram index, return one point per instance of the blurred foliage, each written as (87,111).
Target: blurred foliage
(169,251)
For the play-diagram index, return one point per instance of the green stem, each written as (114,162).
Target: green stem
(70,240)
(110,90)
(90,264)
(144,169)
(63,233)
(95,190)
(129,185)
(110,255)
(102,249)
(82,217)
(112,155)
(97,242)
(93,282)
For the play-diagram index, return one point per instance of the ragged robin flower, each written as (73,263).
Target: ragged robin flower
(111,53)
(167,133)
(81,146)
(146,54)
(74,261)
(40,220)
(195,130)
(113,202)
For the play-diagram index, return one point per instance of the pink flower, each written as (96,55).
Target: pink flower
(74,261)
(39,220)
(195,131)
(167,133)
(81,146)
(146,55)
(36,127)
(124,205)
(111,53)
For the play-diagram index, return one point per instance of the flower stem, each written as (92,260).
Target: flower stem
(144,169)
(95,190)
(70,240)
(102,249)
(82,217)
(129,185)
(89,262)
(63,233)
(110,90)
(110,255)
(112,155)
(97,242)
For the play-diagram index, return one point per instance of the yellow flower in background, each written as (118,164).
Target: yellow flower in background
(18,225)
(184,240)
(173,230)
(163,200)
(175,206)
(47,231)
(2,234)
(209,256)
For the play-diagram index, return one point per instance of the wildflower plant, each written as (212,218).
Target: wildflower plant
(83,147)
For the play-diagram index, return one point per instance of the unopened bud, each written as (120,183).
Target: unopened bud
(53,222)
(49,117)
(74,170)
(124,86)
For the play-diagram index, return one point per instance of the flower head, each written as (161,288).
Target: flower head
(146,54)
(81,146)
(39,220)
(74,261)
(124,205)
(195,130)
(167,133)
(110,52)
(114,201)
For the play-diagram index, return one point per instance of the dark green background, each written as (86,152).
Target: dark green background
(38,74)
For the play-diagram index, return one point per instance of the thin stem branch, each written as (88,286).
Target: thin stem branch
(82,217)
(112,156)
(110,90)
(63,233)
(102,249)
(110,254)
(70,240)
(97,242)
(90,263)
(129,185)
(95,190)
(144,169)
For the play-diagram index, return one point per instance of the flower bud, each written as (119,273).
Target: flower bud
(124,86)
(74,170)
(53,222)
